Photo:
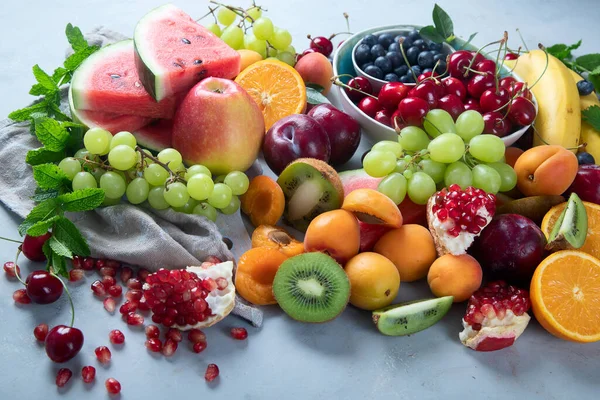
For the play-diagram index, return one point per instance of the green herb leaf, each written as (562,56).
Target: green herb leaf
(24,114)
(430,33)
(38,90)
(563,51)
(75,59)
(82,200)
(589,61)
(56,113)
(443,22)
(44,194)
(591,115)
(594,77)
(59,265)
(75,38)
(60,248)
(44,79)
(47,252)
(42,212)
(49,176)
(51,134)
(66,232)
(43,155)
(469,40)
(41,227)
(316,86)
(315,97)
(58,74)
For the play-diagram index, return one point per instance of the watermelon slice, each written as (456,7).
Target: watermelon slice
(173,52)
(358,179)
(155,136)
(108,81)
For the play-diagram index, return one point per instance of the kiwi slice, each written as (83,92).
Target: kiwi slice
(311,187)
(534,207)
(412,317)
(311,287)
(570,229)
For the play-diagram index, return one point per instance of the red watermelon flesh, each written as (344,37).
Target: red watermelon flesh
(370,234)
(155,136)
(358,179)
(173,52)
(108,81)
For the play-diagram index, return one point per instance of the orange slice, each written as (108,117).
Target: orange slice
(565,295)
(592,240)
(277,88)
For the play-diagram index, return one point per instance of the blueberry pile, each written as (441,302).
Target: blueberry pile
(380,56)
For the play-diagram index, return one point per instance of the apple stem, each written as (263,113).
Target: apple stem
(69,296)
(337,82)
(16,268)
(173,176)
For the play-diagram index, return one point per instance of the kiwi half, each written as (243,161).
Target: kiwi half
(412,317)
(311,287)
(311,187)
(570,229)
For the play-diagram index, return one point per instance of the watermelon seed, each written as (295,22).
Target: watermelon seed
(115,76)
(197,62)
(184,40)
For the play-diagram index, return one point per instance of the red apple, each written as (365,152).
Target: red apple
(219,126)
(587,183)
(343,132)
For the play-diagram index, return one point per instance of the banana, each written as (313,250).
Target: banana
(559,114)
(589,135)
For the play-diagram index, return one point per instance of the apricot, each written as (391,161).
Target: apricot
(264,201)
(248,57)
(545,170)
(410,248)
(374,281)
(511,155)
(335,233)
(458,276)
(255,273)
(275,237)
(316,68)
(373,207)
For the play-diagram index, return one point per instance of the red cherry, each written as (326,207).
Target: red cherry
(472,104)
(391,94)
(478,57)
(456,87)
(305,52)
(396,121)
(452,104)
(426,75)
(507,82)
(492,100)
(32,246)
(479,84)
(63,343)
(522,111)
(361,83)
(496,124)
(413,110)
(43,287)
(488,66)
(520,89)
(426,91)
(384,116)
(369,106)
(458,62)
(322,45)
(511,56)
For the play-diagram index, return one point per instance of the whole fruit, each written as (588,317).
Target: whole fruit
(322,235)
(587,183)
(546,170)
(63,343)
(457,276)
(510,248)
(374,281)
(293,137)
(343,132)
(43,287)
(32,247)
(316,68)
(391,94)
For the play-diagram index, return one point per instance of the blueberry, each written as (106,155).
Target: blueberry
(406,42)
(585,158)
(425,59)
(441,67)
(362,54)
(426,70)
(385,39)
(438,57)
(405,79)
(395,58)
(374,71)
(412,54)
(370,40)
(394,48)
(384,64)
(585,88)
(366,65)
(436,47)
(409,78)
(417,70)
(401,70)
(391,77)
(377,51)
(420,43)
(414,35)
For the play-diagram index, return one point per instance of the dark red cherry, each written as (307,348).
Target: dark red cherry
(384,116)
(479,84)
(43,287)
(458,62)
(522,111)
(492,100)
(361,83)
(426,75)
(511,56)
(413,110)
(63,343)
(322,45)
(456,87)
(520,89)
(305,52)
(391,94)
(396,121)
(32,246)
(507,82)
(452,104)
(478,57)
(488,66)
(426,91)
(472,104)
(369,106)
(496,124)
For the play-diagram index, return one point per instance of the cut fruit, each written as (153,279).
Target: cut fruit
(373,207)
(311,287)
(565,298)
(277,88)
(173,52)
(570,229)
(275,237)
(534,207)
(264,201)
(412,317)
(108,81)
(255,273)
(311,187)
(358,179)
(155,136)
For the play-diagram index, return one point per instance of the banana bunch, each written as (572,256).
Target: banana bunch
(558,120)
(589,135)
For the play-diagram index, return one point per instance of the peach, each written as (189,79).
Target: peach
(374,281)
(248,57)
(373,207)
(458,276)
(410,248)
(316,68)
(335,233)
(545,170)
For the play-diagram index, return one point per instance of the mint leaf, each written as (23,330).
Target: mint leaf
(66,232)
(42,212)
(591,115)
(59,265)
(75,59)
(75,38)
(38,90)
(82,200)
(41,227)
(43,155)
(44,79)
(59,247)
(44,194)
(430,33)
(51,134)
(563,51)
(49,176)
(55,112)
(25,114)
(589,61)
(47,252)
(58,74)
(443,22)
(313,96)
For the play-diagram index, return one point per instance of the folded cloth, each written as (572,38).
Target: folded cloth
(139,236)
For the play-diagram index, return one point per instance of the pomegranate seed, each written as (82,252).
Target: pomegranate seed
(98,288)
(113,264)
(88,263)
(213,260)
(239,333)
(9,269)
(112,386)
(199,347)
(143,274)
(116,337)
(108,281)
(212,372)
(100,264)
(20,296)
(174,334)
(88,373)
(154,345)
(109,304)
(103,354)
(77,262)
(63,376)
(222,283)
(169,348)
(196,336)
(134,283)
(76,275)
(108,271)
(115,290)
(128,307)
(143,304)
(40,332)
(209,284)
(152,331)
(133,295)
(126,274)
(134,319)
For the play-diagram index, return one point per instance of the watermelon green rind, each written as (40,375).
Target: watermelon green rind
(155,136)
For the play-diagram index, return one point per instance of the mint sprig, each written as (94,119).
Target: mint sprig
(589,63)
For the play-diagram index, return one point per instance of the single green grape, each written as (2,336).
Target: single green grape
(438,121)
(214,28)
(401,166)
(238,182)
(125,138)
(156,198)
(83,154)
(487,148)
(257,45)
(97,173)
(287,57)
(458,172)
(420,188)
(379,163)
(254,13)
(388,145)
(469,124)
(137,191)
(280,39)
(434,169)
(176,194)
(156,175)
(408,173)
(200,186)
(413,138)
(233,36)
(394,186)
(170,157)
(122,157)
(147,161)
(97,141)
(486,178)
(206,210)
(225,16)
(263,28)
(508,176)
(446,148)
(84,180)
(220,196)
(197,169)
(187,207)
(291,49)
(70,167)
(232,207)
(113,184)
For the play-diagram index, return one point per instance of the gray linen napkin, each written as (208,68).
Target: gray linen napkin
(139,236)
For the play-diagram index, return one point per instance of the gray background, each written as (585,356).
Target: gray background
(346,358)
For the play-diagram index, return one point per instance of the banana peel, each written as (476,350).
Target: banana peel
(589,135)
(559,113)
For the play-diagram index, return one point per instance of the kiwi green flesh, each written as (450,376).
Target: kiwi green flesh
(570,229)
(408,318)
(311,287)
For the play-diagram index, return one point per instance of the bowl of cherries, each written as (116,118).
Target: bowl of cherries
(470,80)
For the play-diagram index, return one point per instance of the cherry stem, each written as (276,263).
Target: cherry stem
(69,296)
(337,82)
(522,40)
(504,39)
(401,41)
(479,52)
(541,46)
(10,240)
(173,176)
(340,33)
(17,268)
(347,17)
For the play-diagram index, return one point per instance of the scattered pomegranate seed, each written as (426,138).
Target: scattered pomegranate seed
(199,347)
(103,354)
(134,319)
(63,376)
(196,336)
(113,264)
(77,262)
(222,283)
(212,371)
(76,275)
(142,274)
(108,271)
(128,307)
(40,332)
(154,345)
(100,263)
(133,295)
(152,331)
(116,337)
(88,263)
(9,269)
(134,283)
(20,296)
(88,373)
(115,290)
(109,304)
(126,274)
(239,333)
(98,288)
(108,281)
(112,386)
(169,348)
(174,334)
